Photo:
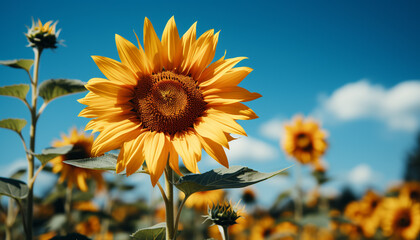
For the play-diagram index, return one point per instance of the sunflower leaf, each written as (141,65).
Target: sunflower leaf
(25,64)
(53,152)
(156,232)
(17,91)
(13,188)
(14,124)
(106,162)
(54,88)
(233,177)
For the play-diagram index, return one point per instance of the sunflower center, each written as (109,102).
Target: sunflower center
(404,220)
(168,102)
(415,195)
(304,142)
(77,152)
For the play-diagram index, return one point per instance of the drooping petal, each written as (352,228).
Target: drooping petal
(186,151)
(108,89)
(214,150)
(208,129)
(135,155)
(237,111)
(156,154)
(229,95)
(226,123)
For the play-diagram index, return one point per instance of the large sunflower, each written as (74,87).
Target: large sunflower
(304,140)
(167,100)
(82,145)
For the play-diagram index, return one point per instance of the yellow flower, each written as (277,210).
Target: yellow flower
(266,228)
(411,190)
(401,218)
(43,35)
(89,227)
(167,100)
(82,145)
(202,200)
(304,140)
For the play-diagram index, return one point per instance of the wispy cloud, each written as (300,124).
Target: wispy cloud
(398,107)
(250,148)
(272,129)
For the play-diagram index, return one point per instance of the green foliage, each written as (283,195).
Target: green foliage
(14,124)
(13,188)
(156,232)
(54,88)
(221,178)
(104,162)
(50,153)
(321,220)
(25,64)
(18,91)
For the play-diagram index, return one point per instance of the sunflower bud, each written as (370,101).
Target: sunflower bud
(223,214)
(43,36)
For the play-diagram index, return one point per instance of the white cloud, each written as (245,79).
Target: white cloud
(250,148)
(398,107)
(362,174)
(272,129)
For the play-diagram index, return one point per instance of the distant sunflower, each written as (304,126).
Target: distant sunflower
(167,100)
(82,145)
(411,190)
(304,140)
(202,200)
(266,228)
(401,218)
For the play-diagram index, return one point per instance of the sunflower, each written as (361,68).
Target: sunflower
(401,218)
(411,190)
(43,36)
(304,140)
(82,145)
(202,200)
(266,228)
(167,100)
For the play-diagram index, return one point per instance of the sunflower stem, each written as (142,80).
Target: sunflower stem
(32,132)
(170,203)
(225,232)
(298,197)
(67,208)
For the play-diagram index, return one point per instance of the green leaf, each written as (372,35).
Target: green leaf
(105,162)
(18,91)
(156,232)
(53,152)
(13,188)
(318,219)
(14,124)
(25,64)
(233,177)
(54,88)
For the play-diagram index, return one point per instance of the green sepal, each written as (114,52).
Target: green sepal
(17,91)
(156,232)
(13,188)
(25,64)
(14,124)
(54,88)
(221,178)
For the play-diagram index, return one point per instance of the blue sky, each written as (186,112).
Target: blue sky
(352,64)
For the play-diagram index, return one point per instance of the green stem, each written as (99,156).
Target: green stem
(32,132)
(225,232)
(178,214)
(170,233)
(67,208)
(10,219)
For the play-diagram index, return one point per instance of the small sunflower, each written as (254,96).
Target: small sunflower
(411,190)
(401,218)
(202,200)
(82,145)
(167,100)
(304,140)
(266,228)
(43,36)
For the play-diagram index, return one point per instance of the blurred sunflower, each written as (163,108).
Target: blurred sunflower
(89,227)
(411,190)
(82,145)
(265,228)
(304,140)
(401,218)
(202,200)
(167,100)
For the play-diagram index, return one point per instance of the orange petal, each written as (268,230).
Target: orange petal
(215,151)
(132,56)
(172,45)
(115,71)
(152,46)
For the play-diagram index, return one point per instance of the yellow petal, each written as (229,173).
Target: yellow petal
(155,154)
(188,41)
(81,181)
(132,56)
(181,146)
(215,151)
(226,123)
(237,111)
(172,45)
(135,155)
(105,88)
(207,128)
(229,95)
(218,71)
(152,46)
(231,78)
(173,157)
(115,71)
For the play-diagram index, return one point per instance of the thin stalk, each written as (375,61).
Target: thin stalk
(10,219)
(170,233)
(178,214)
(298,198)
(224,231)
(32,132)
(67,208)
(25,226)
